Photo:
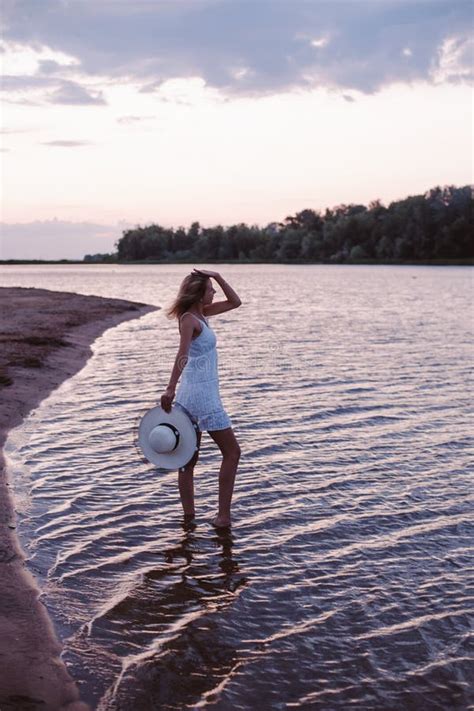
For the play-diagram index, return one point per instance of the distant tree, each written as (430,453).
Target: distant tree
(358,253)
(100,258)
(435,225)
(290,245)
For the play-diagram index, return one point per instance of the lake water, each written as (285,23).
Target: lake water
(345,580)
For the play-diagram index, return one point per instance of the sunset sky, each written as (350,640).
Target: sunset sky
(124,112)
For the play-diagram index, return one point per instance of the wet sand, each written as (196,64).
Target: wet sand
(45,338)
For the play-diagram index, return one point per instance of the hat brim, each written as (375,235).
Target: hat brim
(180,418)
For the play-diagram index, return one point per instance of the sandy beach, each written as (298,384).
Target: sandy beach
(46,338)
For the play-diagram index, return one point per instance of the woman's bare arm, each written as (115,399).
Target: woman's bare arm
(232,296)
(187,330)
(219,307)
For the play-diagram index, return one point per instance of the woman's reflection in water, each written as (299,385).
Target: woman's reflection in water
(230,567)
(199,573)
(185,601)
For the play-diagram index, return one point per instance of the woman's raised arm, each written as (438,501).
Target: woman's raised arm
(233,300)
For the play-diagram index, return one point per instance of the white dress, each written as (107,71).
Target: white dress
(198,391)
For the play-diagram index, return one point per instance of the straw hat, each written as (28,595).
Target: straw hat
(168,439)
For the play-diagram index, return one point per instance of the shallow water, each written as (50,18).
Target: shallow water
(345,582)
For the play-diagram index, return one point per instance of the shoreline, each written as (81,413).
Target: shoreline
(46,338)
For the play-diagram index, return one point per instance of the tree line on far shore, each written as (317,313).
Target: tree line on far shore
(433,226)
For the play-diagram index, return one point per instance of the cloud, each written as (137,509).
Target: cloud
(23,82)
(455,59)
(66,144)
(134,119)
(71,93)
(249,48)
(49,66)
(65,92)
(57,239)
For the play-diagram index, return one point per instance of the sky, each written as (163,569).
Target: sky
(117,113)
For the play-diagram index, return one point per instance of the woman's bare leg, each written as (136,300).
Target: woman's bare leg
(186,482)
(227,443)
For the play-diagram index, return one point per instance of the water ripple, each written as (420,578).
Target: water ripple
(345,580)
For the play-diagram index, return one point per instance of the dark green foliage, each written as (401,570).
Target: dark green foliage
(99,258)
(433,226)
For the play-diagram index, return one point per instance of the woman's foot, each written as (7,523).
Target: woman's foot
(220,522)
(189,523)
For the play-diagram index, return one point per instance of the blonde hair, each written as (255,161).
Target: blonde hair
(191,291)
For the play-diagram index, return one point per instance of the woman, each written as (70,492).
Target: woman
(199,389)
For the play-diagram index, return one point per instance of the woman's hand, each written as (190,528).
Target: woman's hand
(205,272)
(167,399)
